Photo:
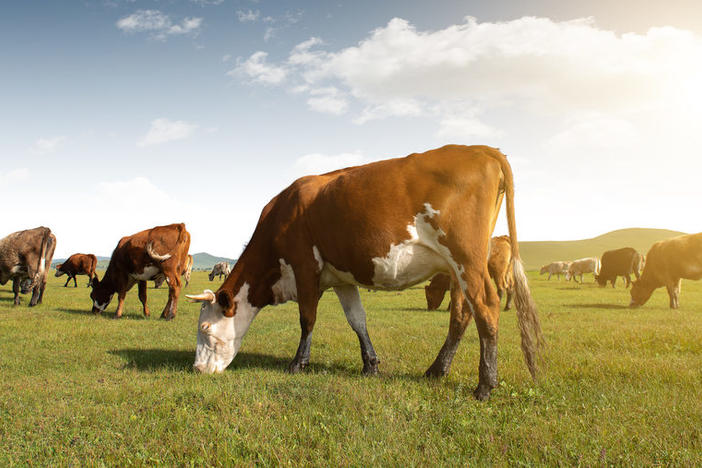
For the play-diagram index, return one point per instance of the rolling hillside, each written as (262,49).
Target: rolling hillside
(201,261)
(535,254)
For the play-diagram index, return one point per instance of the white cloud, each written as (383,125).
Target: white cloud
(464,128)
(327,100)
(208,2)
(256,68)
(163,130)
(248,16)
(318,163)
(269,34)
(158,24)
(15,175)
(48,145)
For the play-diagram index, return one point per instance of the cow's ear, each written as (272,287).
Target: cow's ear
(226,302)
(95,282)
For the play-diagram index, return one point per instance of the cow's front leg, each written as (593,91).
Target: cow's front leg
(142,297)
(75,282)
(356,316)
(627,281)
(120,303)
(68,280)
(307,301)
(16,289)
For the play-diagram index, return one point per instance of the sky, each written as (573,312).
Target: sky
(120,115)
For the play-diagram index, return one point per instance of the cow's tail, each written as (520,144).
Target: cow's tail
(46,244)
(527,315)
(93,268)
(152,253)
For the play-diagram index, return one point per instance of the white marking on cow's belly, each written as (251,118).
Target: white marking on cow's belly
(149,272)
(417,258)
(318,258)
(285,289)
(330,277)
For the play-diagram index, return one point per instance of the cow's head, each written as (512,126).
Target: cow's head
(434,297)
(211,275)
(58,270)
(224,320)
(600,280)
(26,285)
(640,293)
(543,269)
(101,295)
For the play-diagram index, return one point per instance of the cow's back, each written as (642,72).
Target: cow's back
(679,257)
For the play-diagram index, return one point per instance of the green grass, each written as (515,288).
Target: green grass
(536,254)
(622,386)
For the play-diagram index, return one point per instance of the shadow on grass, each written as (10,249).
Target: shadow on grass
(154,359)
(105,315)
(598,306)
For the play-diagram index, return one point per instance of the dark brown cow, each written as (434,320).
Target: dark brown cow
(159,279)
(619,262)
(386,225)
(499,268)
(77,264)
(667,262)
(25,257)
(138,258)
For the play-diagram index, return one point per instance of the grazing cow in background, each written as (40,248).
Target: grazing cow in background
(582,266)
(159,279)
(25,257)
(499,268)
(77,264)
(667,262)
(138,258)
(555,268)
(619,262)
(220,269)
(386,225)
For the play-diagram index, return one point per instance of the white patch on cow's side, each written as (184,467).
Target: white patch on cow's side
(285,289)
(417,258)
(17,269)
(149,272)
(318,258)
(219,337)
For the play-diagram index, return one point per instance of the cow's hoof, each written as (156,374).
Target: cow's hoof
(370,368)
(482,392)
(296,367)
(167,317)
(435,372)
(116,317)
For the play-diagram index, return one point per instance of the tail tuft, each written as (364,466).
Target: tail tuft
(529,325)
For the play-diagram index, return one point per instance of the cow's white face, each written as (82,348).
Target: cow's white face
(215,339)
(219,337)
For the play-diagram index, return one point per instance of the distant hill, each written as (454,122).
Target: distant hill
(536,254)
(201,261)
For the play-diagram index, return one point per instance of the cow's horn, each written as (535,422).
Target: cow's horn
(206,296)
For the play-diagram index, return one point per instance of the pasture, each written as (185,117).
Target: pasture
(623,387)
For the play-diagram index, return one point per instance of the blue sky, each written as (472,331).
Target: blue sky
(120,115)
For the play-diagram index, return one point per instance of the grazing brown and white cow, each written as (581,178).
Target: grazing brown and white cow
(25,257)
(582,266)
(160,279)
(220,269)
(77,264)
(385,225)
(162,250)
(620,262)
(667,262)
(555,268)
(499,268)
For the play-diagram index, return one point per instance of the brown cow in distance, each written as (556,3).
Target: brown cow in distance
(385,225)
(499,268)
(619,262)
(159,279)
(138,258)
(77,264)
(25,257)
(667,262)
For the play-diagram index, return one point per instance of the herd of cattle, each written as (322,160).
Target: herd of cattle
(385,225)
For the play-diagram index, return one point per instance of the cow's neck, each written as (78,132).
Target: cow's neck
(257,271)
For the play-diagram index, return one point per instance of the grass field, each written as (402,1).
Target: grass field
(623,387)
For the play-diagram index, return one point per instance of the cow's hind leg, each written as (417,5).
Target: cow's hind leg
(508,302)
(169,311)
(142,297)
(16,289)
(75,282)
(486,310)
(674,294)
(460,316)
(356,316)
